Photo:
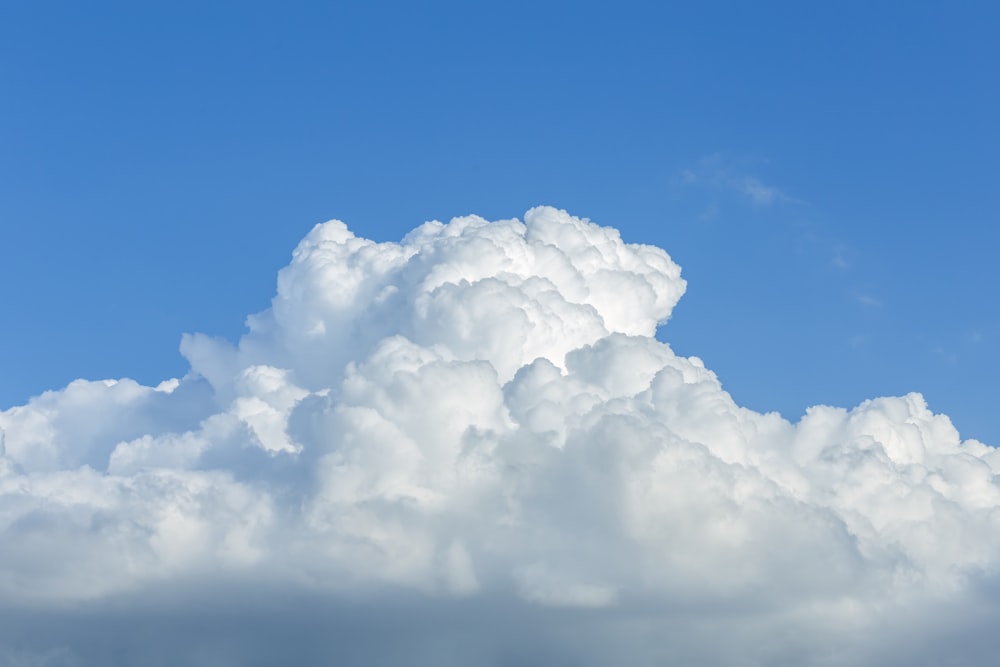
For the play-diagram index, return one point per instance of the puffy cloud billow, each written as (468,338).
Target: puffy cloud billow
(468,448)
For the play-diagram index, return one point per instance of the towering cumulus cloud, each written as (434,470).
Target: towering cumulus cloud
(468,448)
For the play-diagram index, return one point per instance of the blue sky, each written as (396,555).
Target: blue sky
(825,174)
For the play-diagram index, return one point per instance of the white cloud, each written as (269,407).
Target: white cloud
(760,193)
(840,259)
(869,300)
(716,172)
(472,437)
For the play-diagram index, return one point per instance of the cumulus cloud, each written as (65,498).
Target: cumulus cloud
(468,448)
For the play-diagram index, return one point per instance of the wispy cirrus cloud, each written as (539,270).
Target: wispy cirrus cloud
(840,257)
(724,175)
(869,300)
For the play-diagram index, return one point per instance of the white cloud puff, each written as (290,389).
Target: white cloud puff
(473,437)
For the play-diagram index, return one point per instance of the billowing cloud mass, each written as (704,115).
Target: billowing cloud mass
(468,448)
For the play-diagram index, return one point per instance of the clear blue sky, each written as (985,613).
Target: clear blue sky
(826,173)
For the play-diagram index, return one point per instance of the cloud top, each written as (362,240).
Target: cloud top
(480,415)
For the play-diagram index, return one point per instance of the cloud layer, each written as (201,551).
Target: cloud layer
(471,440)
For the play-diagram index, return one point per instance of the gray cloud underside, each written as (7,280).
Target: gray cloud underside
(468,448)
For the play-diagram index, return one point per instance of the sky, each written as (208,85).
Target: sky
(822,176)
